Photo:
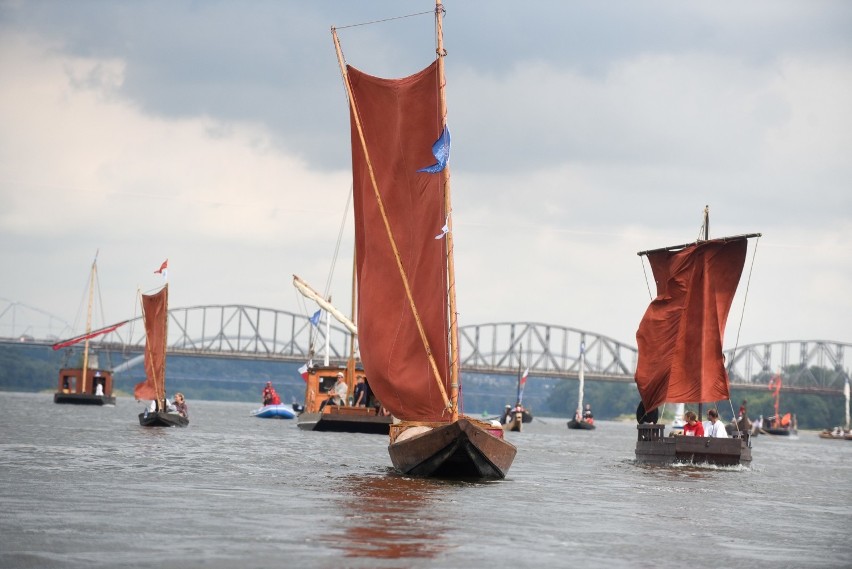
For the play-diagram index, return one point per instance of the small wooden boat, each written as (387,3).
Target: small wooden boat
(280,411)
(155,313)
(583,419)
(840,433)
(582,425)
(779,425)
(321,417)
(515,417)
(680,342)
(94,386)
(162,418)
(317,414)
(466,449)
(407,314)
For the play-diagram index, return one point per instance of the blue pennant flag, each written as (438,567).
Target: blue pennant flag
(441,151)
(315,318)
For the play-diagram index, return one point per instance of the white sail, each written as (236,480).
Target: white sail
(582,380)
(846,393)
(308,292)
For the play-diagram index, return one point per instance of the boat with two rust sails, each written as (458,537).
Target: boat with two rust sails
(160,413)
(778,425)
(348,415)
(680,342)
(90,383)
(583,419)
(407,314)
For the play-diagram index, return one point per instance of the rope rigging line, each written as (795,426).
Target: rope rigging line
(745,298)
(430,12)
(645,274)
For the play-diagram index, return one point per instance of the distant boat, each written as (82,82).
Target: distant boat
(316,414)
(279,411)
(514,417)
(779,425)
(680,346)
(94,387)
(407,314)
(840,432)
(155,313)
(582,420)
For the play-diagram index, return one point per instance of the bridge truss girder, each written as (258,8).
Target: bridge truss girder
(239,331)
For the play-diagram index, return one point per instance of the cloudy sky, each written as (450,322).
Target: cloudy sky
(215,134)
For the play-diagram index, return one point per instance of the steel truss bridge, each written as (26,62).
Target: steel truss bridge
(239,331)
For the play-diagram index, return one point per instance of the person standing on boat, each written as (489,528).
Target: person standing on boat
(692,428)
(587,414)
(180,405)
(714,427)
(341,390)
(361,393)
(267,393)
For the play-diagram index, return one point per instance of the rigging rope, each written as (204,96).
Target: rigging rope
(646,278)
(430,12)
(742,314)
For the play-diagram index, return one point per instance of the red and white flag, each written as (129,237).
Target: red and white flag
(303,371)
(163,270)
(523,382)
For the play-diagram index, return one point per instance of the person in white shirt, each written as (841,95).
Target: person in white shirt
(714,427)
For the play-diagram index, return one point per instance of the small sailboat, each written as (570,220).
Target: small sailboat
(155,313)
(778,424)
(407,315)
(320,381)
(680,346)
(583,419)
(89,384)
(839,432)
(514,418)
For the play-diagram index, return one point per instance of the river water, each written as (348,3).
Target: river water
(88,487)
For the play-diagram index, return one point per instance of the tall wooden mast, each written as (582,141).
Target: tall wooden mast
(92,275)
(451,270)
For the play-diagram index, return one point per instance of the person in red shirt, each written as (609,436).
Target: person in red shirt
(692,428)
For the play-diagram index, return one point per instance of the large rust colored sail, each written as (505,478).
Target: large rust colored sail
(155,311)
(680,337)
(401,121)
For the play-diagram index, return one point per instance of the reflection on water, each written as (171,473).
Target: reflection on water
(388,516)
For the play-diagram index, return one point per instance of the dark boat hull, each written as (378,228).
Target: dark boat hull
(580,425)
(654,448)
(162,419)
(459,450)
(345,420)
(83,399)
(778,431)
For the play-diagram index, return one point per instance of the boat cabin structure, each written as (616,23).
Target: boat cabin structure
(321,415)
(94,387)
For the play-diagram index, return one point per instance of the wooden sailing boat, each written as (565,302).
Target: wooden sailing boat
(779,425)
(89,384)
(680,346)
(155,313)
(320,381)
(514,417)
(582,420)
(407,327)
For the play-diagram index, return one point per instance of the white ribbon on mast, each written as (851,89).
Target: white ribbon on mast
(310,293)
